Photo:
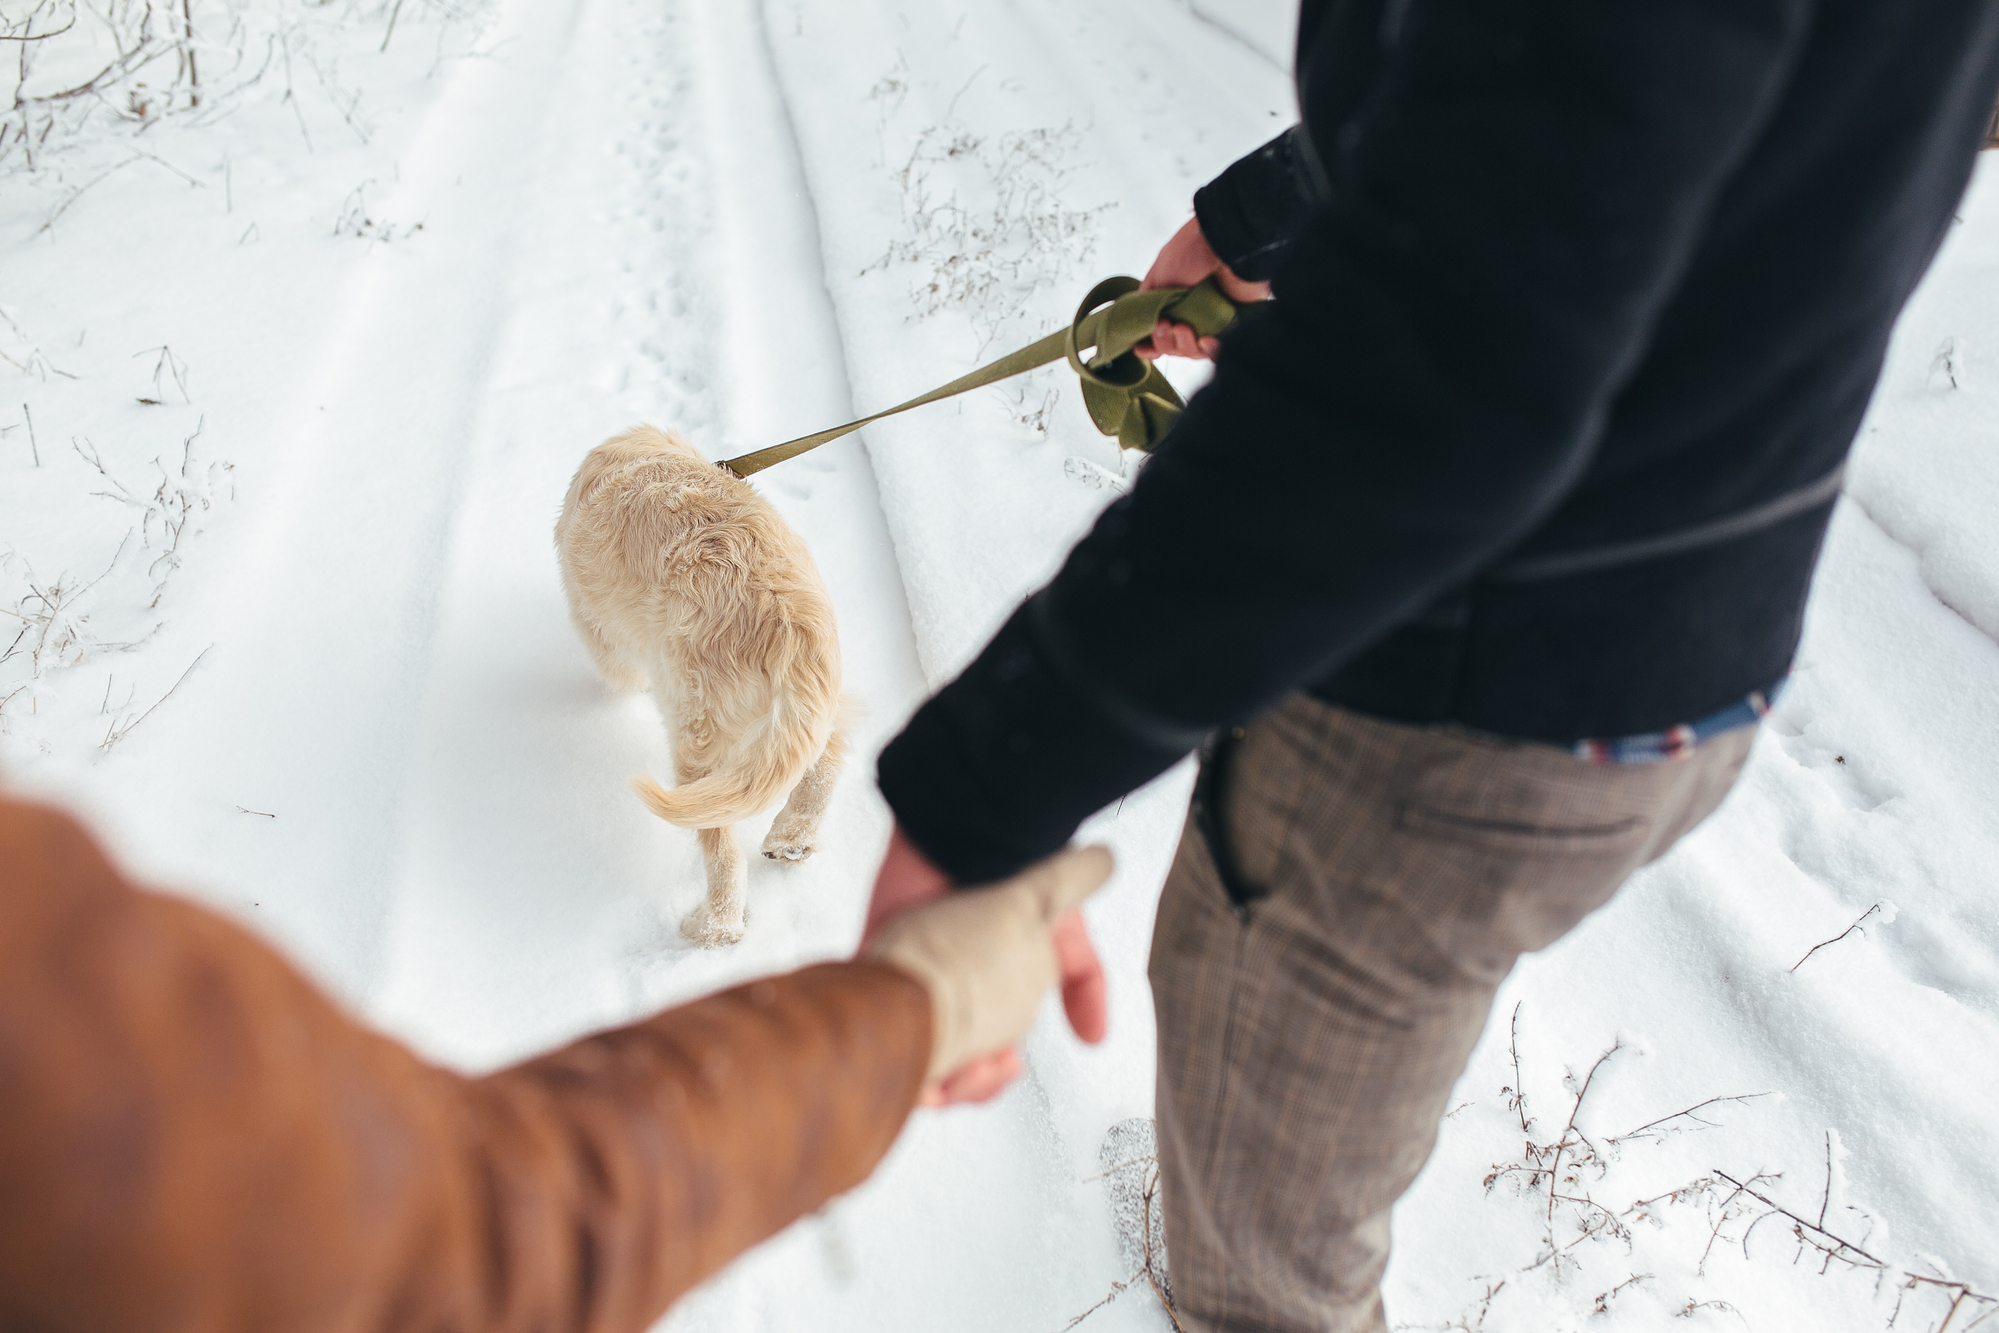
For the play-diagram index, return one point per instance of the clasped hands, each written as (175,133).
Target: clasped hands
(987,956)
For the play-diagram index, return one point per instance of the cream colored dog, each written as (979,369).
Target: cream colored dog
(683,580)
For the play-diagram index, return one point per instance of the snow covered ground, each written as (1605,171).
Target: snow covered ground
(298,375)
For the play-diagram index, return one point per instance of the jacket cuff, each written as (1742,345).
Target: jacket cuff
(998,769)
(1250,212)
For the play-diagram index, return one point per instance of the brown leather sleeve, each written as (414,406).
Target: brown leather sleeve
(192,1137)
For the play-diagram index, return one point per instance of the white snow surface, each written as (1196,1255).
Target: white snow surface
(313,668)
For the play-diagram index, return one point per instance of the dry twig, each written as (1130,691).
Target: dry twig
(1649,1129)
(118,733)
(1604,1299)
(1165,1301)
(1837,938)
(1516,1099)
(167,365)
(39,36)
(1562,1144)
(1837,1249)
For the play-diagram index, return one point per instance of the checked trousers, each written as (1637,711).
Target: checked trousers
(1347,896)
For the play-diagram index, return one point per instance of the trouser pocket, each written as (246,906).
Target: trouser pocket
(1210,816)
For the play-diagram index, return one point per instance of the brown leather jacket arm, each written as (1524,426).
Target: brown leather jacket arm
(193,1137)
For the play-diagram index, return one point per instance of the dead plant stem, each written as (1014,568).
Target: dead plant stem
(118,733)
(1562,1144)
(193,74)
(1837,938)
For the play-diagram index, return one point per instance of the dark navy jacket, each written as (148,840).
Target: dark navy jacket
(1578,308)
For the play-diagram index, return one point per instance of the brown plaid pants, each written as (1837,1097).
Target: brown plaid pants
(1320,990)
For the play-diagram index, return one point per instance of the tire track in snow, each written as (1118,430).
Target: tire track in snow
(1014,1157)
(781,332)
(314,682)
(537,898)
(980,507)
(780,299)
(768,229)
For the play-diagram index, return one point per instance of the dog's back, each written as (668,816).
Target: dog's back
(686,577)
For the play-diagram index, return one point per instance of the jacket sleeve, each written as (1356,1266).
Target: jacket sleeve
(193,1138)
(1512,198)
(1250,212)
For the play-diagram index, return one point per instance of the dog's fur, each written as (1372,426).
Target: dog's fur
(683,579)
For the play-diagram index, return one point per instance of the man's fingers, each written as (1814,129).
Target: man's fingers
(978,1080)
(1241,290)
(1177,340)
(1084,996)
(906,879)
(987,956)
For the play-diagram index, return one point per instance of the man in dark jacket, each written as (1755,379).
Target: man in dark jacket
(1479,558)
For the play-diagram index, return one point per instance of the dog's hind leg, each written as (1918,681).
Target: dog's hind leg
(791,836)
(617,673)
(719,918)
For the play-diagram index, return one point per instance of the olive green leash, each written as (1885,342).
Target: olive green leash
(1126,395)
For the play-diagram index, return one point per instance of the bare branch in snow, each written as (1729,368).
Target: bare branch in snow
(1516,1100)
(167,366)
(80,191)
(1006,238)
(39,36)
(49,612)
(1837,938)
(1652,1128)
(1604,1299)
(1564,1143)
(193,73)
(1833,1248)
(118,733)
(1945,362)
(1693,1306)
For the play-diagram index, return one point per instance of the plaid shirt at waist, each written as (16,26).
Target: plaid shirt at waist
(1677,742)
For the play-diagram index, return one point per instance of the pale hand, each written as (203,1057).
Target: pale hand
(1184,261)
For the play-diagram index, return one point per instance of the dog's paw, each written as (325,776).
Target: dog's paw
(787,851)
(788,844)
(701,927)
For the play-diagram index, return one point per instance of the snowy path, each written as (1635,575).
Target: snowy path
(316,683)
(751,219)
(698,350)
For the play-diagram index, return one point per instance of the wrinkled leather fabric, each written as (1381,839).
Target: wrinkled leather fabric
(192,1137)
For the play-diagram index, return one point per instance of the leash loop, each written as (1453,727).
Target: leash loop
(1126,395)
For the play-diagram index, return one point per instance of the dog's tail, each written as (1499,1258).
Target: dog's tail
(763,770)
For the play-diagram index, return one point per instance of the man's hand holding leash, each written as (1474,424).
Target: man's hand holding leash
(1183,262)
